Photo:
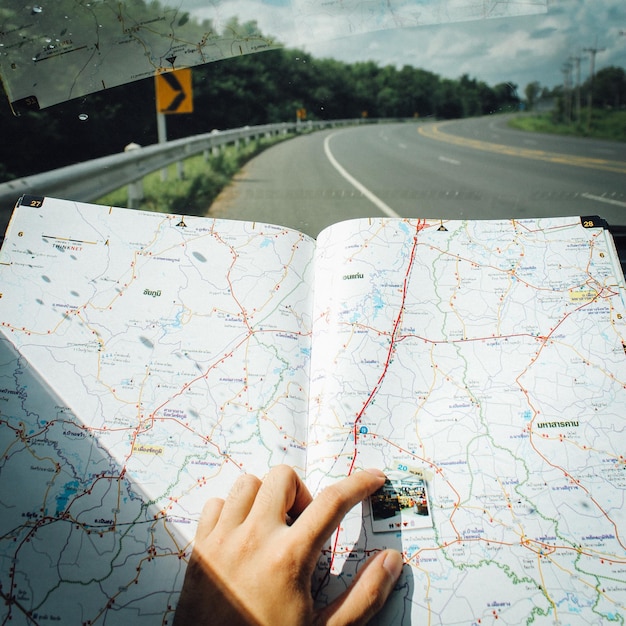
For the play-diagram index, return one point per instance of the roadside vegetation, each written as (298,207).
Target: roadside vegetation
(595,108)
(202,181)
(604,125)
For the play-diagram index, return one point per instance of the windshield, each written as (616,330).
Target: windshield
(80,81)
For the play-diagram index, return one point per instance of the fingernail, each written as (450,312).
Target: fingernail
(376,472)
(393,563)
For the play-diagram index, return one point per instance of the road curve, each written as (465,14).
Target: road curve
(474,169)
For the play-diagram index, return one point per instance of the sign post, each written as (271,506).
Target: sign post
(174,95)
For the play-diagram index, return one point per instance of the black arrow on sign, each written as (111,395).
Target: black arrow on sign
(172,81)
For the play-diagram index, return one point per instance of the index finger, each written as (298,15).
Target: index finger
(327,510)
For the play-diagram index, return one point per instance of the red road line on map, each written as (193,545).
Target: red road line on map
(392,344)
(542,339)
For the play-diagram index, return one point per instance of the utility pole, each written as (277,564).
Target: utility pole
(592,53)
(577,61)
(566,69)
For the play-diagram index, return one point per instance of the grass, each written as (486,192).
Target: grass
(604,125)
(203,180)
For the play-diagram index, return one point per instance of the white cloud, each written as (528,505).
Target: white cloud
(513,49)
(519,49)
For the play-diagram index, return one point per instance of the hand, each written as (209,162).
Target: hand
(255,553)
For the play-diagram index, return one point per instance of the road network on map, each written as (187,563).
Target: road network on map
(479,358)
(147,360)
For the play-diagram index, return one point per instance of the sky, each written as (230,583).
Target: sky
(519,49)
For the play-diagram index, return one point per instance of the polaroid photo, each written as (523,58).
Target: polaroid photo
(401,504)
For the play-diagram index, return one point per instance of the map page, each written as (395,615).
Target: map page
(146,361)
(482,365)
(53,51)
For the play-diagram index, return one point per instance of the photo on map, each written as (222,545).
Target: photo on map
(401,504)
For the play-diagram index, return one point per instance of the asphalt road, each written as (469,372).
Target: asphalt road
(474,169)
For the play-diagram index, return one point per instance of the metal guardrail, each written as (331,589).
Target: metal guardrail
(92,179)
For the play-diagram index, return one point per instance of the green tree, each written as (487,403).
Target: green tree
(609,88)
(418,88)
(506,96)
(532,92)
(447,101)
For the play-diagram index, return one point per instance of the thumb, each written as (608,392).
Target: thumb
(369,592)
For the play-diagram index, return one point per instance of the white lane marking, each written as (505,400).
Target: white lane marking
(449,160)
(590,196)
(387,210)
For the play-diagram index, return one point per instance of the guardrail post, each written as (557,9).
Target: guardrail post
(135,189)
(162,138)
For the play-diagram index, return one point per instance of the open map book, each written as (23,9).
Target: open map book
(148,359)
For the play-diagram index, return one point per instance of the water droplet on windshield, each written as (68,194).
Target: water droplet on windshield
(83,117)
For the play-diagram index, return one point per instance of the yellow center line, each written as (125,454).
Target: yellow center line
(432,131)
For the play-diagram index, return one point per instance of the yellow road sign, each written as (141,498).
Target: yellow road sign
(173,92)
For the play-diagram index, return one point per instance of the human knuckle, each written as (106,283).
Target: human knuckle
(210,505)
(248,480)
(334,498)
(245,483)
(284,472)
(281,555)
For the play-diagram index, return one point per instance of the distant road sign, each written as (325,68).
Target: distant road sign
(174,92)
